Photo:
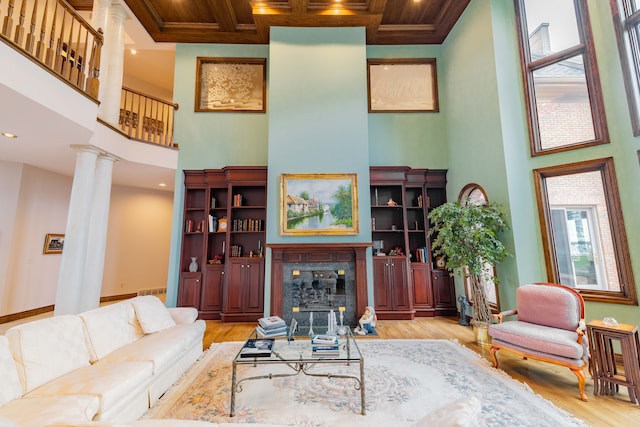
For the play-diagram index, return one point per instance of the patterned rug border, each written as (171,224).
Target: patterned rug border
(177,390)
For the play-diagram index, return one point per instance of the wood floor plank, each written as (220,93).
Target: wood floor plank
(552,382)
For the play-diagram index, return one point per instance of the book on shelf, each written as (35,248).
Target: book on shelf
(257,348)
(271,322)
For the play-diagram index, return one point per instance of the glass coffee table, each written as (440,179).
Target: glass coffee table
(298,356)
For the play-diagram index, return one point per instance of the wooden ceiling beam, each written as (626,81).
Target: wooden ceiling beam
(225,16)
(299,6)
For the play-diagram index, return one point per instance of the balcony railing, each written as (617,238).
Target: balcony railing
(55,35)
(146,118)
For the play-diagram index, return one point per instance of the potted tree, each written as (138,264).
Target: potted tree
(467,236)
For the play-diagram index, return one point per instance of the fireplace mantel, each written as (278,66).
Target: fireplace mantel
(317,252)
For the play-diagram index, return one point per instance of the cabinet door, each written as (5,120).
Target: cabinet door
(422,292)
(381,285)
(399,283)
(212,290)
(189,290)
(233,295)
(443,290)
(254,285)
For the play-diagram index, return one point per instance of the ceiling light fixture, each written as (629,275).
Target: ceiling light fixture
(162,184)
(9,135)
(133,51)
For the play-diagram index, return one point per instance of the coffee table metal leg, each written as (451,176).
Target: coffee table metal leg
(362,394)
(232,412)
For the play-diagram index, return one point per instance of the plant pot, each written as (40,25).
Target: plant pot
(481,333)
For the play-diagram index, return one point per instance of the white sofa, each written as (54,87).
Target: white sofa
(109,364)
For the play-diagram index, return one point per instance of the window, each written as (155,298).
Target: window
(583,231)
(564,101)
(473,193)
(626,20)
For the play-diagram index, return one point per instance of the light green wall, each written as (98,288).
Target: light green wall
(480,134)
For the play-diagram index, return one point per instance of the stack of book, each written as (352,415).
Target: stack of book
(325,345)
(271,327)
(257,348)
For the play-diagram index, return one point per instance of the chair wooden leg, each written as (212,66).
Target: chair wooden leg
(493,355)
(582,379)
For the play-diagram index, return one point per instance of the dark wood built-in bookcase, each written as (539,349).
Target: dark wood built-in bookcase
(406,284)
(224,227)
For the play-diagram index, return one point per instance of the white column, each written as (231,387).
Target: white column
(111,75)
(97,238)
(100,19)
(72,264)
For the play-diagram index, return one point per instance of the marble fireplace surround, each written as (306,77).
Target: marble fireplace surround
(286,254)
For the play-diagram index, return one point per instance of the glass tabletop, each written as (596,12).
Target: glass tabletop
(302,348)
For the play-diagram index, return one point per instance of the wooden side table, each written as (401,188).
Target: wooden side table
(606,377)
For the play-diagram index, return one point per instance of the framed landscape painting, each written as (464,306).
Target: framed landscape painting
(231,85)
(403,85)
(314,204)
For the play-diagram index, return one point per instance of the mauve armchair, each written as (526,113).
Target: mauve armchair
(550,327)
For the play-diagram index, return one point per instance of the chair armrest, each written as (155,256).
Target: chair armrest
(501,315)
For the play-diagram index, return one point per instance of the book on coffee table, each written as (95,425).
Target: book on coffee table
(257,348)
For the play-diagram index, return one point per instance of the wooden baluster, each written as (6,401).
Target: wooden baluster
(60,60)
(40,46)
(49,58)
(7,22)
(67,67)
(77,63)
(82,65)
(31,37)
(93,82)
(19,36)
(139,127)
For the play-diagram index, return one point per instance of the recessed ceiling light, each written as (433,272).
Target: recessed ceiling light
(133,51)
(162,184)
(9,135)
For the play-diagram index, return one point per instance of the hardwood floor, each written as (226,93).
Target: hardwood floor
(552,382)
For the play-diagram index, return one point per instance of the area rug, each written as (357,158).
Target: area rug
(406,383)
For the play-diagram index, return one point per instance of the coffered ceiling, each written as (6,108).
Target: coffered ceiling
(387,22)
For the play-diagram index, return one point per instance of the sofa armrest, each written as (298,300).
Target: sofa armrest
(501,315)
(183,315)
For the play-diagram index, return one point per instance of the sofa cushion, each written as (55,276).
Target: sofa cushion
(152,314)
(183,314)
(110,327)
(11,387)
(534,304)
(48,348)
(559,342)
(111,382)
(40,411)
(161,349)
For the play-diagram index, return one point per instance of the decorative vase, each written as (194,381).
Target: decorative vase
(481,333)
(193,267)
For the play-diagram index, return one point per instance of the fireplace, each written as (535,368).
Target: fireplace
(316,278)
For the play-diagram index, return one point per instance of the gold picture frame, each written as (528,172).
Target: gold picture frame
(403,85)
(319,204)
(231,84)
(53,244)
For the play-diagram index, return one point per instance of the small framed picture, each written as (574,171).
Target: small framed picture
(53,244)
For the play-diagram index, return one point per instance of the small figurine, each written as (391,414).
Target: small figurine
(391,202)
(367,322)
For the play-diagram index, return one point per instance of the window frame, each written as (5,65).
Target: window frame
(625,22)
(592,79)
(627,294)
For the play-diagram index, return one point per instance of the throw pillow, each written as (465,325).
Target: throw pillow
(152,314)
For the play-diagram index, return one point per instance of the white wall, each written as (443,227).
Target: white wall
(138,240)
(138,237)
